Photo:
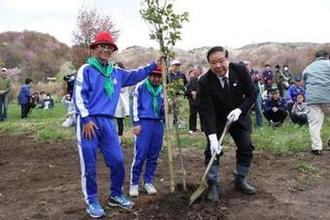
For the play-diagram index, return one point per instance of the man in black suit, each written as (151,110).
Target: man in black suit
(227,93)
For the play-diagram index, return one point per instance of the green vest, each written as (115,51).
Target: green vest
(5,83)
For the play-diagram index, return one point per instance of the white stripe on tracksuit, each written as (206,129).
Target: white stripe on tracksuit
(84,113)
(82,161)
(135,119)
(133,162)
(79,99)
(136,102)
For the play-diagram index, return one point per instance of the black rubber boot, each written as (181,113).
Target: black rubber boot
(240,182)
(213,182)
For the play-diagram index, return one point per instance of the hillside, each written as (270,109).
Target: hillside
(32,54)
(38,55)
(296,55)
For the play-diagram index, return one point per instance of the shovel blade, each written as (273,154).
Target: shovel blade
(199,191)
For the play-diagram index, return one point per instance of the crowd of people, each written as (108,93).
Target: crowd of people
(223,96)
(276,94)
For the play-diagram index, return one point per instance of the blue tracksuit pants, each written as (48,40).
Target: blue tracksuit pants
(106,139)
(147,147)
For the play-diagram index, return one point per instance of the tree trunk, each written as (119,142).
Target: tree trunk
(183,170)
(167,131)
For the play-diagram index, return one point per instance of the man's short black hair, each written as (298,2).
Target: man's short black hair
(214,50)
(28,81)
(321,53)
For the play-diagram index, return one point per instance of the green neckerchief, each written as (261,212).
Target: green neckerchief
(106,71)
(154,92)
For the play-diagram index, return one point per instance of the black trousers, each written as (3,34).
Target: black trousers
(290,106)
(278,116)
(193,116)
(299,119)
(243,142)
(25,108)
(120,124)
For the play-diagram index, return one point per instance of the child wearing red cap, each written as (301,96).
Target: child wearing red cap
(148,120)
(96,94)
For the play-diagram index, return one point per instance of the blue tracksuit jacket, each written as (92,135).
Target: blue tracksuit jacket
(24,94)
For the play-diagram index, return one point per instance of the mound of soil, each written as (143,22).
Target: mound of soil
(41,180)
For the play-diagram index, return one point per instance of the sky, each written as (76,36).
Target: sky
(229,23)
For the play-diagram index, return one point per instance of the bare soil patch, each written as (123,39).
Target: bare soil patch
(40,180)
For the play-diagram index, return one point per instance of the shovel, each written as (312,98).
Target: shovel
(203,183)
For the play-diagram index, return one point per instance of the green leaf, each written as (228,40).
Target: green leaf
(164,23)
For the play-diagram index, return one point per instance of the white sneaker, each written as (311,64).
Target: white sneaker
(134,190)
(150,189)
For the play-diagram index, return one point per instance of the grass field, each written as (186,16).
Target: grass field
(45,125)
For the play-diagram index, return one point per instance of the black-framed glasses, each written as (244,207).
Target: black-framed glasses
(106,47)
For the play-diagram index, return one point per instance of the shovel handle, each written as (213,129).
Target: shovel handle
(214,155)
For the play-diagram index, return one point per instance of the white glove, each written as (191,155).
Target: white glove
(214,144)
(234,114)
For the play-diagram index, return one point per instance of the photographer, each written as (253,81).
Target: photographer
(67,100)
(70,79)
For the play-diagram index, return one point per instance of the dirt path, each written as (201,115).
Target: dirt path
(41,181)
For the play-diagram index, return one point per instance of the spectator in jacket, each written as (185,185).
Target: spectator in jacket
(256,78)
(5,87)
(316,78)
(267,76)
(34,100)
(68,101)
(192,94)
(48,102)
(299,110)
(293,91)
(42,97)
(176,74)
(278,76)
(275,110)
(70,120)
(122,109)
(24,98)
(287,74)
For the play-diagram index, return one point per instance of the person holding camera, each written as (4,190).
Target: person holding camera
(68,102)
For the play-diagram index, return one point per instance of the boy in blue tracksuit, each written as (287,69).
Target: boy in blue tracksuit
(96,94)
(148,120)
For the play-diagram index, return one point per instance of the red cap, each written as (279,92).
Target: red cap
(158,70)
(103,37)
